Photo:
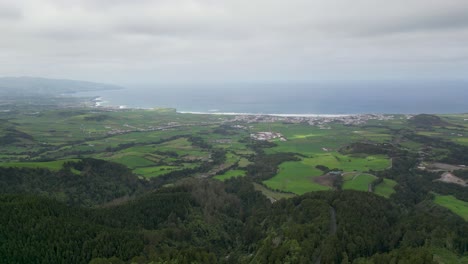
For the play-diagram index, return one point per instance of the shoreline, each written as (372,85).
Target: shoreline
(99,102)
(265,114)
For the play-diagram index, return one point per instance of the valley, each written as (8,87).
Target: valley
(123,155)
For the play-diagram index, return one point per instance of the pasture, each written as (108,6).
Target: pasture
(156,171)
(309,140)
(55,165)
(230,174)
(154,160)
(385,188)
(358,182)
(298,176)
(453,204)
(272,195)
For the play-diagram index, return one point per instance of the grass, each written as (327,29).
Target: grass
(296,177)
(232,158)
(156,171)
(132,161)
(453,204)
(386,188)
(462,141)
(177,144)
(272,194)
(349,163)
(76,130)
(51,165)
(411,145)
(377,136)
(230,174)
(310,140)
(359,182)
(429,134)
(151,172)
(143,159)
(243,162)
(445,256)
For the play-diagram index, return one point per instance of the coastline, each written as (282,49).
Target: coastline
(288,100)
(264,114)
(99,102)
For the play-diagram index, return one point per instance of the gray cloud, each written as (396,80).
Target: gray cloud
(9,12)
(204,40)
(455,20)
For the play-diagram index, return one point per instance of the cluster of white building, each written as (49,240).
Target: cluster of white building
(313,120)
(267,136)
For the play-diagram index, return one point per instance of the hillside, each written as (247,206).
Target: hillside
(213,222)
(31,86)
(428,121)
(92,185)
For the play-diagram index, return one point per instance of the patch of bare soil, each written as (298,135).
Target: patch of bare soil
(326,180)
(447,167)
(450,178)
(192,158)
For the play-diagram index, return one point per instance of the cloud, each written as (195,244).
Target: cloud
(9,12)
(455,20)
(202,40)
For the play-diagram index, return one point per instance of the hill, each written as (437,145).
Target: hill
(86,182)
(428,121)
(90,185)
(213,222)
(30,86)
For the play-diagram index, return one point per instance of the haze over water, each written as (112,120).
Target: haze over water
(298,98)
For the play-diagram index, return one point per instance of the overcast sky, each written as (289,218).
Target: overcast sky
(143,41)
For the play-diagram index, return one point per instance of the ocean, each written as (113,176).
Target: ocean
(357,97)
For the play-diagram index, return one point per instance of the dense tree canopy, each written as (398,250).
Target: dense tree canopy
(211,222)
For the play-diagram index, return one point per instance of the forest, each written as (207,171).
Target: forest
(214,222)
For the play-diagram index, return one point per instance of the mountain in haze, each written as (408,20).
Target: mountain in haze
(32,86)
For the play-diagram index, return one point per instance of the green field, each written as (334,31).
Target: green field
(320,147)
(55,134)
(298,176)
(444,256)
(386,188)
(153,160)
(243,162)
(51,165)
(310,140)
(359,182)
(272,195)
(230,174)
(132,161)
(144,141)
(453,204)
(349,163)
(150,172)
(462,140)
(429,133)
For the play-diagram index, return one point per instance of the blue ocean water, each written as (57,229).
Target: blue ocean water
(298,98)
